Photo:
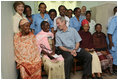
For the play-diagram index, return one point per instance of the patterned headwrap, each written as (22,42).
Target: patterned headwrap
(84,22)
(23,21)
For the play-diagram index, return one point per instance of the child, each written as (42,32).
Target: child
(99,41)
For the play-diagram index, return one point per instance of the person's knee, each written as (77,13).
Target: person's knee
(69,58)
(89,56)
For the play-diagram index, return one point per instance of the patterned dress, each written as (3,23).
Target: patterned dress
(27,56)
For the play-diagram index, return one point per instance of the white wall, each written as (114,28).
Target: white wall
(90,4)
(8,67)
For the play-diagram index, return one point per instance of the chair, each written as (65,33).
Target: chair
(75,66)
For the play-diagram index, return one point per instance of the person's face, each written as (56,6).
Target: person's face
(26,28)
(46,27)
(28,11)
(78,12)
(52,15)
(60,24)
(69,13)
(86,27)
(42,8)
(98,28)
(84,9)
(62,11)
(20,8)
(88,16)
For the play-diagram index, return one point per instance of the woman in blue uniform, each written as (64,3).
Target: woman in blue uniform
(42,16)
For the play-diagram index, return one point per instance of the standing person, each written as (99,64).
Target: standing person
(75,21)
(29,15)
(87,44)
(62,12)
(19,8)
(42,16)
(69,13)
(112,37)
(67,41)
(83,12)
(27,54)
(100,44)
(114,12)
(52,13)
(91,22)
(53,67)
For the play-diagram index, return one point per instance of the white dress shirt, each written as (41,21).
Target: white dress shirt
(92,26)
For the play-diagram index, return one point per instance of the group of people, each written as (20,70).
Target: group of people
(54,41)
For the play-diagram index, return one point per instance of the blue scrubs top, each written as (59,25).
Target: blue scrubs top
(75,23)
(112,29)
(32,17)
(37,19)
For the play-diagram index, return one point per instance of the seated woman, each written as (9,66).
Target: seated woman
(27,54)
(54,66)
(87,44)
(100,44)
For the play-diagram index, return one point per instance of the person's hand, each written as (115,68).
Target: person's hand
(54,60)
(53,53)
(74,53)
(110,45)
(104,52)
(87,49)
(91,50)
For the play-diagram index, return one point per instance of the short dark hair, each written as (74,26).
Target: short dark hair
(26,6)
(52,10)
(70,10)
(16,3)
(76,9)
(88,12)
(114,8)
(43,23)
(97,25)
(61,6)
(41,4)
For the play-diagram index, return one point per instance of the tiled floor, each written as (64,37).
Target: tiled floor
(78,75)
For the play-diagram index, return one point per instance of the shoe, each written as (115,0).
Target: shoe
(93,77)
(84,77)
(99,78)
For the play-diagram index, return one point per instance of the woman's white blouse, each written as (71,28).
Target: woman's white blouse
(16,20)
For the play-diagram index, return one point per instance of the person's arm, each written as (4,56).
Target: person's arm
(77,46)
(53,46)
(71,22)
(111,29)
(65,49)
(110,41)
(48,54)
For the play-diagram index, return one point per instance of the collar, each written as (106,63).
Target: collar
(68,29)
(41,16)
